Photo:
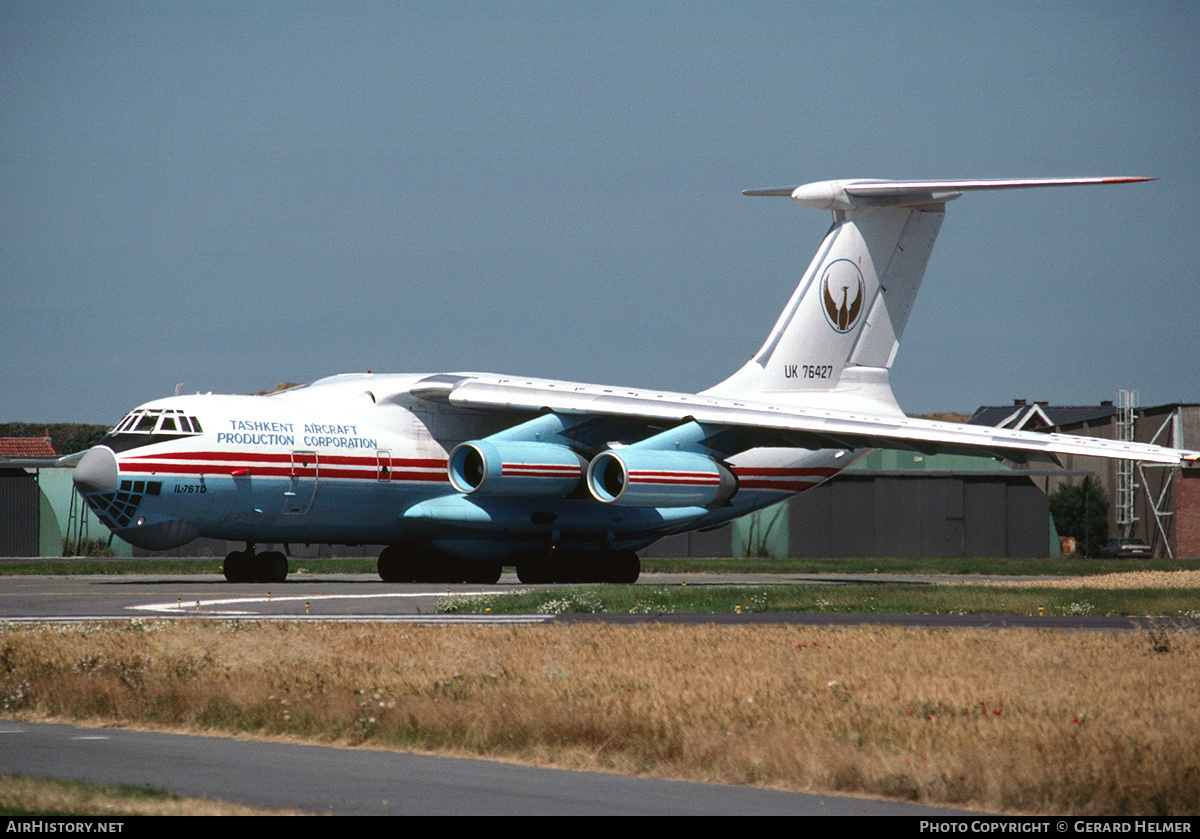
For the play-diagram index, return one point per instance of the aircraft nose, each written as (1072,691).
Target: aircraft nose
(96,470)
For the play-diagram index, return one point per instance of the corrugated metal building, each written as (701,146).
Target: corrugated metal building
(894,503)
(21,499)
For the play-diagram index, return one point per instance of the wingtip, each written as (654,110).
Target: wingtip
(782,191)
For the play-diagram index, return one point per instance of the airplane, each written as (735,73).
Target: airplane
(460,474)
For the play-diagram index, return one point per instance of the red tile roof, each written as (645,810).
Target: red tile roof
(26,447)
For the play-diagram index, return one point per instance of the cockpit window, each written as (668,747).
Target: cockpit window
(146,426)
(170,421)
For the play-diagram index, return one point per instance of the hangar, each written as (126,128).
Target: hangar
(895,504)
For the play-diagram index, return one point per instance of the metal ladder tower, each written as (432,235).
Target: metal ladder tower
(1126,487)
(77,522)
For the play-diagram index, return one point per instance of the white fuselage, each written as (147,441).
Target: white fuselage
(359,459)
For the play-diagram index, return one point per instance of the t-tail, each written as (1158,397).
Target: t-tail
(840,330)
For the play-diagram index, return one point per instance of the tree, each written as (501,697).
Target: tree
(1081,510)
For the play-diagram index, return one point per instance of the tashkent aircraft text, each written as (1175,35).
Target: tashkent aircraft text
(316,435)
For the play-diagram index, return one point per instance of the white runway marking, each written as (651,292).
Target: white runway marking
(213,606)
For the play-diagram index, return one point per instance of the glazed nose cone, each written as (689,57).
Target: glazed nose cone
(96,471)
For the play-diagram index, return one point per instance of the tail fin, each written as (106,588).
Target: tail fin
(842,326)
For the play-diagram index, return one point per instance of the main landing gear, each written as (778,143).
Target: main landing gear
(564,565)
(423,564)
(248,567)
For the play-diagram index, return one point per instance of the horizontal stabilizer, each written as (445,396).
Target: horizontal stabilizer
(861,194)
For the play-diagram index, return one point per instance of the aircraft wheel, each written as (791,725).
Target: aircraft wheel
(624,567)
(484,573)
(578,566)
(447,569)
(416,564)
(394,566)
(430,565)
(256,568)
(274,567)
(533,567)
(237,567)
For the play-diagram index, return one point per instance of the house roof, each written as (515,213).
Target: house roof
(26,447)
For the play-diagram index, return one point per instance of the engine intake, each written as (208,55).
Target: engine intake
(502,468)
(639,478)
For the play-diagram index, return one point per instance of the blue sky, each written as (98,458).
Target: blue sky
(223,196)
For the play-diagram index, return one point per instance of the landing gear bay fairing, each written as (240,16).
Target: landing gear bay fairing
(458,474)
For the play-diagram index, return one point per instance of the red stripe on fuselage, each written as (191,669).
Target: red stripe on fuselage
(281,465)
(286,457)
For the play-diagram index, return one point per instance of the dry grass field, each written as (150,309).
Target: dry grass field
(1124,580)
(1003,720)
(38,797)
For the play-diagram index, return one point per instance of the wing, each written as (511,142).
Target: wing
(773,424)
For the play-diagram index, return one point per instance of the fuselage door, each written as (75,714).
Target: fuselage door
(302,484)
(383,465)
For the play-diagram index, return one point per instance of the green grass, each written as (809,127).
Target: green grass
(1067,566)
(889,598)
(1035,567)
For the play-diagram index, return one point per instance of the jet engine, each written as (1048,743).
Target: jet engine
(647,478)
(507,468)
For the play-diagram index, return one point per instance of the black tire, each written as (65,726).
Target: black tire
(234,567)
(417,564)
(432,566)
(274,567)
(533,567)
(579,566)
(624,567)
(484,573)
(426,564)
(439,568)
(393,566)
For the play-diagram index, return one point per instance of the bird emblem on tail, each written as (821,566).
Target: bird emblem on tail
(842,276)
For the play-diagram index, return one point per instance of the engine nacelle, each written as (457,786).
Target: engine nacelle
(505,468)
(647,478)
